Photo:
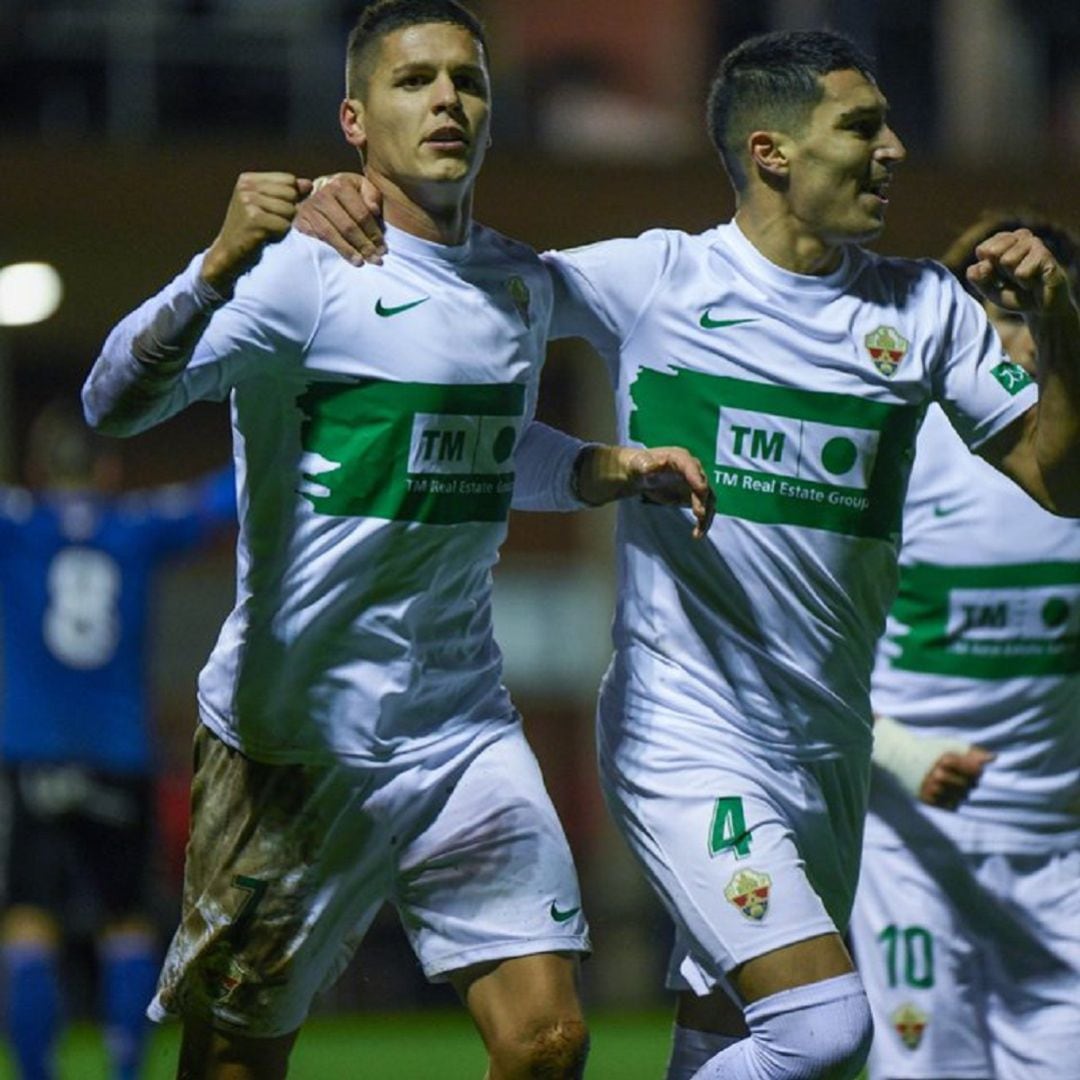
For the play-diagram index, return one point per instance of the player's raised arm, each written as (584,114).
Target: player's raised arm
(133,382)
(1041,450)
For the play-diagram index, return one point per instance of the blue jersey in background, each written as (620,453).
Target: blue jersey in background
(76,572)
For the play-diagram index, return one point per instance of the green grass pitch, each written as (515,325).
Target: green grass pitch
(405,1046)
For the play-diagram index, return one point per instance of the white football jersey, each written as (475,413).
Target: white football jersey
(375,415)
(802,396)
(983,645)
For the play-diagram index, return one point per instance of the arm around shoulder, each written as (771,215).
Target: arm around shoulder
(555,471)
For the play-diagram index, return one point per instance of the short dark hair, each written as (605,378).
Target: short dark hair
(773,80)
(1064,244)
(385,16)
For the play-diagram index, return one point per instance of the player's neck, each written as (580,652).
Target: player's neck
(783,241)
(441,220)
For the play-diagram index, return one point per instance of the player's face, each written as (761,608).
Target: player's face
(842,161)
(426,111)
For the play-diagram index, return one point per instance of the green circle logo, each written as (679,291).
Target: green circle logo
(1055,612)
(839,454)
(503,446)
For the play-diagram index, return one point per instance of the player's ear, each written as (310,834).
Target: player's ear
(768,153)
(351,117)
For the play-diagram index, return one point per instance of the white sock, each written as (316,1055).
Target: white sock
(811,1032)
(690,1049)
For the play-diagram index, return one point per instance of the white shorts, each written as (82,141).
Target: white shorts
(971,962)
(288,865)
(748,853)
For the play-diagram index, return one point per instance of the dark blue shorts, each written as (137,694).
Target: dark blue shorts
(78,842)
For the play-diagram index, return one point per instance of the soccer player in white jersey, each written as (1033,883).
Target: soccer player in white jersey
(734,722)
(357,744)
(966,926)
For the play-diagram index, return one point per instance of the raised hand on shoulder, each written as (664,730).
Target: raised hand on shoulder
(345,211)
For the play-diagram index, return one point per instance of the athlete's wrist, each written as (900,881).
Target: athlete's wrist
(594,475)
(908,756)
(218,273)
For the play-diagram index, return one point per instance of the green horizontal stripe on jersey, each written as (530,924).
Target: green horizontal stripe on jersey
(783,456)
(989,622)
(411,451)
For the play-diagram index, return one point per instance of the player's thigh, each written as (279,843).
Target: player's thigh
(921,966)
(285,869)
(491,877)
(721,1010)
(719,841)
(799,964)
(1034,968)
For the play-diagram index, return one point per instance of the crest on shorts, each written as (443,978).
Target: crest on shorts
(519,293)
(748,890)
(223,983)
(886,348)
(909,1022)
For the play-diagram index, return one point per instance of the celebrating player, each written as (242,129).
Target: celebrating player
(735,720)
(357,744)
(966,926)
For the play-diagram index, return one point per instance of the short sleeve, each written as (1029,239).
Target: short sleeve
(980,389)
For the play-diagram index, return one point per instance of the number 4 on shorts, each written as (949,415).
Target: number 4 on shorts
(729,831)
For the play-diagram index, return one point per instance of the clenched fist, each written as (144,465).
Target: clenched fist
(260,212)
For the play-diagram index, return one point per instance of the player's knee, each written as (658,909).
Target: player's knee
(840,1052)
(821,1031)
(555,1051)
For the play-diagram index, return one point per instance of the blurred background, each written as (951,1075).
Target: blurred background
(123,124)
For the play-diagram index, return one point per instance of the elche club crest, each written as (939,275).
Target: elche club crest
(886,348)
(748,890)
(519,294)
(909,1022)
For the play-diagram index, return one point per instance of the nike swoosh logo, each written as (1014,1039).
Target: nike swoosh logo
(562,916)
(386,312)
(709,323)
(944,511)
